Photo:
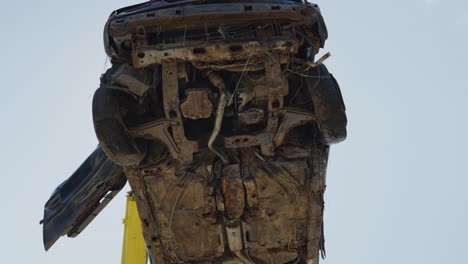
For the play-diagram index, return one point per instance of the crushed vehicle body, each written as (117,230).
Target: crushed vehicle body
(77,201)
(221,118)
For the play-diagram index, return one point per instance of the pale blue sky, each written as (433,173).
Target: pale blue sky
(397,188)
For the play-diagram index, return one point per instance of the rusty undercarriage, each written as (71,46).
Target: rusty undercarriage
(221,120)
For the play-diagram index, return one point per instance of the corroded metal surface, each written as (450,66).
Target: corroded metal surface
(171,101)
(231,118)
(220,52)
(245,177)
(270,208)
(233,191)
(197,105)
(175,207)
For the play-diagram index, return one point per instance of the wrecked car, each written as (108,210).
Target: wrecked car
(221,117)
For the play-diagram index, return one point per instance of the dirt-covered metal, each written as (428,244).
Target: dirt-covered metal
(222,119)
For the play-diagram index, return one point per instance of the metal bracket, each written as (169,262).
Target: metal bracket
(274,82)
(171,101)
(158,130)
(276,91)
(241,141)
(291,119)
